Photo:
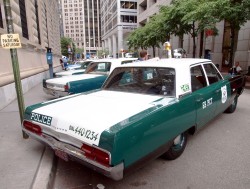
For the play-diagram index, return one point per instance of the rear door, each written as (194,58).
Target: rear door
(203,95)
(220,86)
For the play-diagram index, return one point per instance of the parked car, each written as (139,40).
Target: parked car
(93,78)
(144,110)
(80,67)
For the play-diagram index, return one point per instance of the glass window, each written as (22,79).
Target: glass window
(23,16)
(198,79)
(128,5)
(99,68)
(212,74)
(145,80)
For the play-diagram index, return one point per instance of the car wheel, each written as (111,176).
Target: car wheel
(233,106)
(177,148)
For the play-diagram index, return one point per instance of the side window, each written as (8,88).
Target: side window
(212,74)
(198,79)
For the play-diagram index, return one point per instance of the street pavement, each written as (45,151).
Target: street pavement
(25,163)
(216,157)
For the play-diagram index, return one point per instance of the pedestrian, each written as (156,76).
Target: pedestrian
(238,68)
(143,55)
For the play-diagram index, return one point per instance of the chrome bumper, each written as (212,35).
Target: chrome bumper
(55,93)
(75,153)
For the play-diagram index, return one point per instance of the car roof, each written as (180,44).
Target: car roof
(168,62)
(115,60)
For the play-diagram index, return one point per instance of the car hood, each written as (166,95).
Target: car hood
(94,112)
(64,80)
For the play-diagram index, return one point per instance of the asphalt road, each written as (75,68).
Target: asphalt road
(216,157)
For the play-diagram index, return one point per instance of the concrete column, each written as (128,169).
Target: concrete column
(109,46)
(114,46)
(106,44)
(120,38)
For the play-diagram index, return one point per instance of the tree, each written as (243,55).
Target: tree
(79,51)
(237,13)
(102,53)
(209,12)
(172,23)
(65,44)
(136,39)
(193,17)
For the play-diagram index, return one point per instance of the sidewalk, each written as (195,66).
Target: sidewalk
(24,163)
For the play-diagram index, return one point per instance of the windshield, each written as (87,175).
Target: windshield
(83,65)
(145,80)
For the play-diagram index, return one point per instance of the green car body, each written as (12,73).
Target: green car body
(144,110)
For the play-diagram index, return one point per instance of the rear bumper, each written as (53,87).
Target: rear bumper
(75,153)
(55,92)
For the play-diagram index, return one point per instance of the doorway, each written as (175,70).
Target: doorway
(226,47)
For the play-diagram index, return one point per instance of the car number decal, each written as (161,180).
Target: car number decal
(224,94)
(207,103)
(86,133)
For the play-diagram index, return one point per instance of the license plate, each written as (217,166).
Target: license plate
(62,155)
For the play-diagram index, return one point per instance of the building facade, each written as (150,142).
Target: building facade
(217,46)
(37,23)
(118,19)
(81,23)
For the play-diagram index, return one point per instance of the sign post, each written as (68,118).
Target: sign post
(11,41)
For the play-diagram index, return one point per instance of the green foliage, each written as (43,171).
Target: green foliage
(79,50)
(102,53)
(65,42)
(189,16)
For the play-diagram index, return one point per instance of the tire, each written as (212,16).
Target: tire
(233,106)
(177,147)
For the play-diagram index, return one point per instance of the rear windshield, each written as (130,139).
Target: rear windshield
(145,80)
(98,68)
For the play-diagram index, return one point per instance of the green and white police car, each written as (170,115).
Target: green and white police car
(144,110)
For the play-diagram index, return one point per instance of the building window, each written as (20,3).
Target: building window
(37,22)
(128,5)
(1,18)
(128,19)
(23,19)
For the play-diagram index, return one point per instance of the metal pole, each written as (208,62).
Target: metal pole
(15,64)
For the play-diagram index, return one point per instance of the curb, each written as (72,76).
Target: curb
(44,175)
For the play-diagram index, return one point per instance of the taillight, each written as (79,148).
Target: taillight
(66,87)
(32,127)
(96,154)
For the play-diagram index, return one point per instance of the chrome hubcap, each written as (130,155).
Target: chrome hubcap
(177,140)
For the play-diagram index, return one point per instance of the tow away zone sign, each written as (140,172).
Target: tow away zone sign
(10,41)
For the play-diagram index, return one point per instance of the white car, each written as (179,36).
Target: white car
(95,75)
(143,110)
(78,68)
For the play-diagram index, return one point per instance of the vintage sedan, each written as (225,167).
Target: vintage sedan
(144,110)
(79,69)
(93,78)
